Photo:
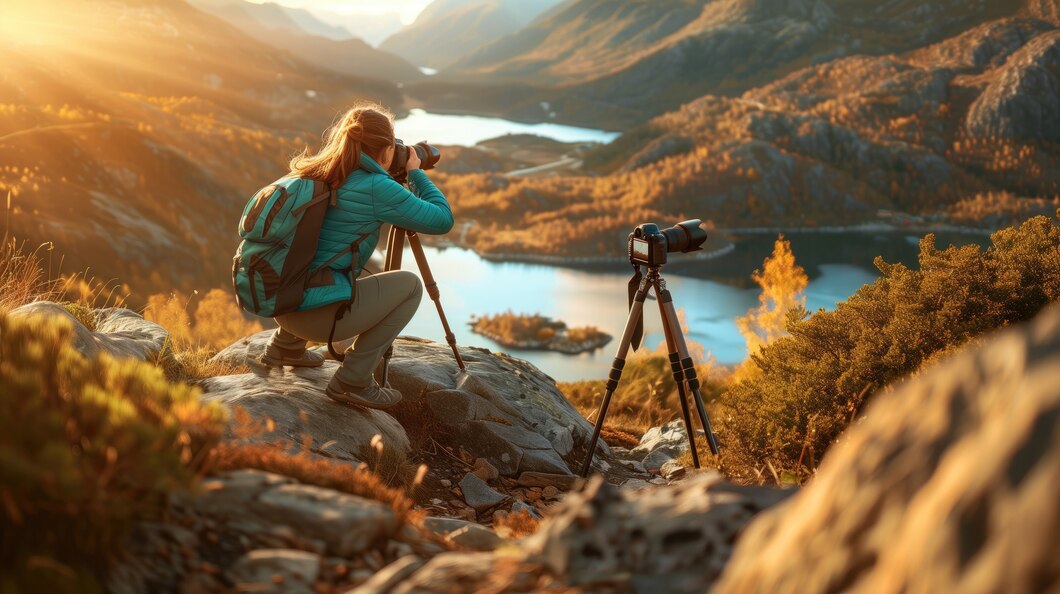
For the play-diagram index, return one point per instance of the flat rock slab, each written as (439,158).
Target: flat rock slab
(294,400)
(478,494)
(467,535)
(275,571)
(246,500)
(120,333)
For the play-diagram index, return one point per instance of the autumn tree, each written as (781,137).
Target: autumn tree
(783,282)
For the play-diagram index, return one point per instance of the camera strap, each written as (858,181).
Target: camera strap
(634,286)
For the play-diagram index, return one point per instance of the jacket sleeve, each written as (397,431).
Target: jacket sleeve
(423,210)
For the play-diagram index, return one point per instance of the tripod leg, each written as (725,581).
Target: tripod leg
(395,245)
(666,304)
(432,290)
(679,377)
(635,313)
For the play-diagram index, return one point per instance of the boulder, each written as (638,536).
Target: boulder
(948,484)
(503,410)
(121,333)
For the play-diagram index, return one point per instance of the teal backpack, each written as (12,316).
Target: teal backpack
(280,229)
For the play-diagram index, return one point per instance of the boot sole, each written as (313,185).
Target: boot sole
(344,398)
(273,362)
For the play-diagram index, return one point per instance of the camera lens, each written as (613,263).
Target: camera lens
(685,236)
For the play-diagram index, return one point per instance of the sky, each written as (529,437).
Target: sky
(406,9)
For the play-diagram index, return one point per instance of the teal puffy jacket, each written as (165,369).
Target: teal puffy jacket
(369,198)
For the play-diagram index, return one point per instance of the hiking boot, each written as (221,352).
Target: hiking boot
(371,396)
(274,357)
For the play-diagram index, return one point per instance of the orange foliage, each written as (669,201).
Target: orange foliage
(218,321)
(783,282)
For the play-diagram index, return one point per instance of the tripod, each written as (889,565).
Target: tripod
(394,247)
(684,370)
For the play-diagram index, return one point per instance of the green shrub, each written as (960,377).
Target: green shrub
(87,447)
(809,386)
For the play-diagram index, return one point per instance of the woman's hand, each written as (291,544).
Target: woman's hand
(414,159)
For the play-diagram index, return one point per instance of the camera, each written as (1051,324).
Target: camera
(429,157)
(648,245)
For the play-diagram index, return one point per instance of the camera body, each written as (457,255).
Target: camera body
(429,157)
(648,245)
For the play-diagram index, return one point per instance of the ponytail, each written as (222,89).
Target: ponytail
(362,129)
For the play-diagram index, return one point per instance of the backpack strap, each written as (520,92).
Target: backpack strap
(353,249)
(302,250)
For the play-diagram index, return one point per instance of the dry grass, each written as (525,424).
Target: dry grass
(358,481)
(22,276)
(620,437)
(516,525)
(193,364)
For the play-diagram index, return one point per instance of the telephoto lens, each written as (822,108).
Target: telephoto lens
(686,236)
(429,157)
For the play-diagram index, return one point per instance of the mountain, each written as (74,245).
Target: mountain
(961,129)
(273,16)
(613,63)
(372,28)
(135,157)
(292,30)
(447,29)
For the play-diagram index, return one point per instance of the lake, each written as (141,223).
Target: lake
(710,292)
(469,130)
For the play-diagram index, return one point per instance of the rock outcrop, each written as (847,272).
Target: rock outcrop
(949,484)
(503,409)
(1022,100)
(676,539)
(119,332)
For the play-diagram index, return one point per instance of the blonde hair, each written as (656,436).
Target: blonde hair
(363,129)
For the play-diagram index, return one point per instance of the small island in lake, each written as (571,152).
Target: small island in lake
(537,332)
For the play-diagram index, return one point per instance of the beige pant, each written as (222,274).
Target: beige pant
(384,304)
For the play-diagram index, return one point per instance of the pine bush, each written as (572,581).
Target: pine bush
(87,447)
(814,383)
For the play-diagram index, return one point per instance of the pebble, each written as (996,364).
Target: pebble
(446,483)
(550,492)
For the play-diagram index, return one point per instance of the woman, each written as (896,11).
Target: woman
(354,159)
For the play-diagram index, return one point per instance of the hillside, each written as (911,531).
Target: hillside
(924,133)
(136,170)
(447,29)
(303,35)
(615,63)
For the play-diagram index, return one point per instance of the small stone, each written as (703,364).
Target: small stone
(478,494)
(550,492)
(263,570)
(673,470)
(446,483)
(436,501)
(520,506)
(654,461)
(485,471)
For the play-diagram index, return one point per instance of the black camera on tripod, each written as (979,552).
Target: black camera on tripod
(648,245)
(429,157)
